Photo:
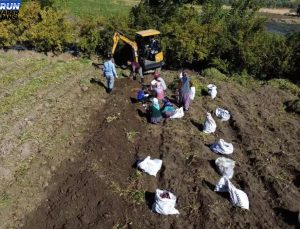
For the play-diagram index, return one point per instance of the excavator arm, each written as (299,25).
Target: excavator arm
(117,37)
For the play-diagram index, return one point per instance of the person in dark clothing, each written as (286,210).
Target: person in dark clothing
(185,91)
(136,69)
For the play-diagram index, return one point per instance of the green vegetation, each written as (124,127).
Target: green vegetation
(285,85)
(231,40)
(293,106)
(272,3)
(98,8)
(30,89)
(4,199)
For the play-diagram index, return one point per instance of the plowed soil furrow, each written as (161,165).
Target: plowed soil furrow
(83,172)
(188,171)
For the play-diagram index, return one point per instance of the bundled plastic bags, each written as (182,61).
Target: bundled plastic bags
(210,125)
(150,166)
(225,166)
(164,203)
(222,185)
(212,90)
(222,114)
(237,197)
(179,113)
(222,147)
(193,93)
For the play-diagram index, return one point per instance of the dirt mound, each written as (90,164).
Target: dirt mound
(102,189)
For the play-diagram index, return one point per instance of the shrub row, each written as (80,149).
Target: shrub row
(232,40)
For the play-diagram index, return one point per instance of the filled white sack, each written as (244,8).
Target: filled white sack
(238,197)
(212,90)
(222,185)
(225,166)
(164,203)
(222,147)
(222,114)
(180,75)
(210,125)
(179,113)
(150,166)
(193,93)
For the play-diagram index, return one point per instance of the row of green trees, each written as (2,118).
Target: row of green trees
(232,40)
(271,3)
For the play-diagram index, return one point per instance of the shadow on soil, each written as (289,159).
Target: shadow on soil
(288,216)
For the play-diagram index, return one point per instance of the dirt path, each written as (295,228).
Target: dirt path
(101,188)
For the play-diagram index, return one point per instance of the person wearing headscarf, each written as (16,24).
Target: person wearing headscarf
(185,91)
(157,77)
(168,109)
(155,113)
(159,86)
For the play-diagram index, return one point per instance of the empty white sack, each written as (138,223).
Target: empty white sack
(150,166)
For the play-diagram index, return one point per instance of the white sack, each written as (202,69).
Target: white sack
(222,185)
(164,205)
(222,147)
(209,125)
(222,114)
(180,75)
(225,166)
(150,166)
(179,113)
(212,90)
(193,93)
(238,197)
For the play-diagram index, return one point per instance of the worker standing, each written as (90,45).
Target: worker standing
(109,71)
(185,91)
(136,69)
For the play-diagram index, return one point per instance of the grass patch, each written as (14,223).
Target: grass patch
(23,94)
(284,84)
(122,226)
(112,117)
(98,8)
(4,199)
(26,70)
(213,73)
(201,89)
(243,79)
(131,136)
(21,171)
(132,193)
(293,106)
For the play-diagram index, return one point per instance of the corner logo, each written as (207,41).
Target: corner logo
(9,9)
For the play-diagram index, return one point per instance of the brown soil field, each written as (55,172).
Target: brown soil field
(76,168)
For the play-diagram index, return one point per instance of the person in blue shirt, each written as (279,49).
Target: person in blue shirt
(109,71)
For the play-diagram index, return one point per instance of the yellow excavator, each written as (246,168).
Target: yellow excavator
(146,49)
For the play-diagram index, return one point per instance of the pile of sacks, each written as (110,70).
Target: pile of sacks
(165,201)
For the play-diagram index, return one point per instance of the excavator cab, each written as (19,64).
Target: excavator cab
(150,53)
(146,48)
